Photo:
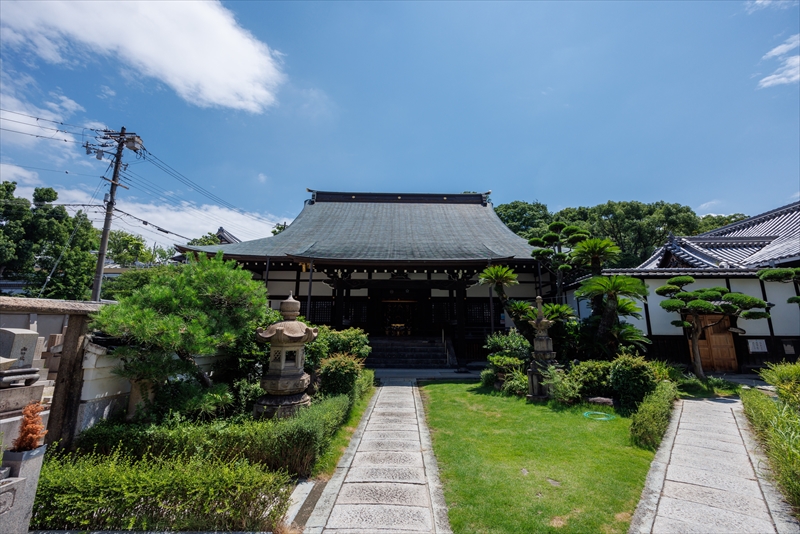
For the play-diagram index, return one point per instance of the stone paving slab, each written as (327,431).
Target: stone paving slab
(389,445)
(412,435)
(393,427)
(371,516)
(384,493)
(415,475)
(703,478)
(388,458)
(725,500)
(722,520)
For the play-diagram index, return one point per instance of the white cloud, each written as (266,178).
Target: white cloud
(262,178)
(796,195)
(106,92)
(790,44)
(789,71)
(196,48)
(756,5)
(709,204)
(184,218)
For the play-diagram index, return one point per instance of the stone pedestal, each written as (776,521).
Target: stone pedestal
(542,353)
(285,381)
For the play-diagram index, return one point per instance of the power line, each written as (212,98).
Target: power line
(40,136)
(42,127)
(146,223)
(48,120)
(52,170)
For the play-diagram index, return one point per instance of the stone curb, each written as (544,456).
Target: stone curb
(322,511)
(779,509)
(441,523)
(645,514)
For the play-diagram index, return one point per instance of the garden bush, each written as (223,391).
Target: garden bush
(502,363)
(516,383)
(631,379)
(364,383)
(350,341)
(786,379)
(562,387)
(488,377)
(591,377)
(650,421)
(777,424)
(338,374)
(183,492)
(664,371)
(511,344)
(291,444)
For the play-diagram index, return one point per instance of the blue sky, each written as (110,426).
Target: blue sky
(568,103)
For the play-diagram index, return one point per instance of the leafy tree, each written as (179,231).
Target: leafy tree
(200,309)
(130,281)
(551,249)
(207,240)
(126,249)
(501,277)
(522,217)
(693,305)
(712,222)
(611,289)
(594,253)
(35,237)
(278,228)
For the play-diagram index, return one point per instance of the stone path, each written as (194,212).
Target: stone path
(709,476)
(387,480)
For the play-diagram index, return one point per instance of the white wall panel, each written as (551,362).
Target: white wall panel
(785,316)
(752,287)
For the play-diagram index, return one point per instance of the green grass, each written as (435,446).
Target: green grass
(691,387)
(498,455)
(327,462)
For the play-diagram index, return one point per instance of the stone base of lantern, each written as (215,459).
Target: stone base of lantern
(279,406)
(285,384)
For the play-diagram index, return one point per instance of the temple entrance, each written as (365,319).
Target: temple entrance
(717,351)
(400,317)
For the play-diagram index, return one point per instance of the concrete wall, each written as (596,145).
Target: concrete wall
(43,324)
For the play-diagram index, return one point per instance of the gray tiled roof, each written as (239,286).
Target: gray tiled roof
(770,238)
(382,227)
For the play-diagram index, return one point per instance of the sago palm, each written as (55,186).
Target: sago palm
(611,288)
(595,252)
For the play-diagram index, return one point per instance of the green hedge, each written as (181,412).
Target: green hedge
(631,379)
(650,421)
(778,427)
(105,492)
(292,444)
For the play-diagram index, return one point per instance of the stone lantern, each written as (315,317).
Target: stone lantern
(285,381)
(542,351)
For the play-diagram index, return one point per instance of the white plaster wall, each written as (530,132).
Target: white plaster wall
(279,288)
(99,380)
(785,316)
(752,287)
(660,318)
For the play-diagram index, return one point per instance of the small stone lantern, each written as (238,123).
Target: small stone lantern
(542,351)
(285,381)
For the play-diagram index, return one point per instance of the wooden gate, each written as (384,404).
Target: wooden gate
(717,351)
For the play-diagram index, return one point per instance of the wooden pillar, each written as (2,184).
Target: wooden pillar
(308,297)
(69,383)
(338,305)
(461,317)
(491,305)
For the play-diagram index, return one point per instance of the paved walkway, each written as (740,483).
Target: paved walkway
(387,480)
(708,477)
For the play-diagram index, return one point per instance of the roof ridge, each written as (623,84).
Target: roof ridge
(751,221)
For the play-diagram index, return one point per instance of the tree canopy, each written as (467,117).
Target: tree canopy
(36,237)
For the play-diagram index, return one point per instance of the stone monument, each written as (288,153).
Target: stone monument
(542,352)
(17,352)
(285,381)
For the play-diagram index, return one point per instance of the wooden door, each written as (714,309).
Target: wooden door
(717,351)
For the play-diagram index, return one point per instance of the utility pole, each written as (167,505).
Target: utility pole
(101,254)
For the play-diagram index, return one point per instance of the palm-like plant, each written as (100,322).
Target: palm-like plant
(611,288)
(500,277)
(595,252)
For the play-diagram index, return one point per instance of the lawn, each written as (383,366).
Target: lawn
(512,467)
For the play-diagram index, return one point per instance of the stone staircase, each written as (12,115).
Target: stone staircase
(406,353)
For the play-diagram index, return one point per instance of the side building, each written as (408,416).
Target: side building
(729,256)
(402,266)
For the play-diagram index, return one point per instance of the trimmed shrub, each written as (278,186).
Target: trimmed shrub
(591,377)
(364,383)
(349,341)
(778,427)
(488,377)
(291,444)
(561,386)
(502,363)
(664,371)
(516,383)
(511,344)
(117,492)
(650,421)
(786,379)
(631,379)
(338,374)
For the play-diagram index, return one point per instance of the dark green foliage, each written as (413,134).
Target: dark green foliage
(509,344)
(743,301)
(129,281)
(537,242)
(488,377)
(667,290)
(338,374)
(680,281)
(793,300)
(329,341)
(685,296)
(521,217)
(364,383)
(777,275)
(719,289)
(516,383)
(592,378)
(700,306)
(505,364)
(561,386)
(631,379)
(292,444)
(557,226)
(679,324)
(712,222)
(754,315)
(664,371)
(650,421)
(204,241)
(778,427)
(183,492)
